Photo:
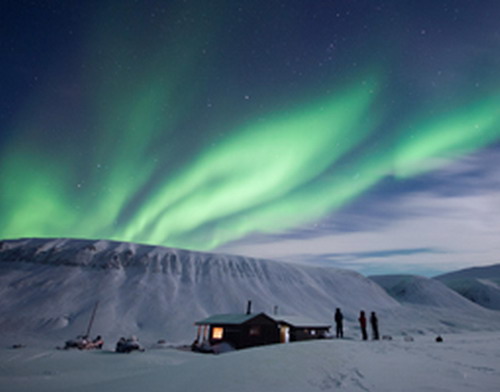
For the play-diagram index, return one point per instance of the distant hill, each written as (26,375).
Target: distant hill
(422,291)
(434,304)
(479,284)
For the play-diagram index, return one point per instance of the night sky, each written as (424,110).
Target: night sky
(358,134)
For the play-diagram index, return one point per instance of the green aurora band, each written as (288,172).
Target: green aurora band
(257,166)
(264,177)
(123,175)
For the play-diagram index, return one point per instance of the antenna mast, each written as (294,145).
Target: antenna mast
(91,321)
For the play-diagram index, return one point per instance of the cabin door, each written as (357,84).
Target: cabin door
(284,334)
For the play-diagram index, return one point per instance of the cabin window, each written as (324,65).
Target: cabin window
(217,332)
(255,330)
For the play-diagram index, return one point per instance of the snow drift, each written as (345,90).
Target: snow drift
(463,363)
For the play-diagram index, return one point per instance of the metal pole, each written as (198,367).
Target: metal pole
(91,321)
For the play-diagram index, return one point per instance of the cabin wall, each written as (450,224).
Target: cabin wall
(259,335)
(250,334)
(231,334)
(299,334)
(255,330)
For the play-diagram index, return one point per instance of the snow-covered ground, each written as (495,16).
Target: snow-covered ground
(463,362)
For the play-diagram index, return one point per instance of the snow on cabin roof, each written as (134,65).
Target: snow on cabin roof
(300,322)
(238,318)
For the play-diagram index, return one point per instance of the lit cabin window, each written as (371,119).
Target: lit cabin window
(217,332)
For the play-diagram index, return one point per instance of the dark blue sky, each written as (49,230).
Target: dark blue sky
(362,134)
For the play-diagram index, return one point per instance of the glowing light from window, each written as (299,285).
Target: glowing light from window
(217,332)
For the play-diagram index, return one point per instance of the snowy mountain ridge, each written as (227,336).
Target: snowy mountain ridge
(189,266)
(93,253)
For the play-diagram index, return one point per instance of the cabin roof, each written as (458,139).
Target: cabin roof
(300,322)
(232,318)
(241,318)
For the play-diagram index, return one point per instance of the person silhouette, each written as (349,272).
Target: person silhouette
(339,318)
(374,324)
(362,324)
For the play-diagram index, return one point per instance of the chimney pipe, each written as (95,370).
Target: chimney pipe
(249,307)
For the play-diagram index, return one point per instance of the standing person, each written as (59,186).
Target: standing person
(362,324)
(339,318)
(374,323)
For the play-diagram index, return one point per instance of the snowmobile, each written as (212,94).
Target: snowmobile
(82,342)
(79,342)
(128,345)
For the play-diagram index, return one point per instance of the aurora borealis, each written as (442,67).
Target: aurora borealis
(227,125)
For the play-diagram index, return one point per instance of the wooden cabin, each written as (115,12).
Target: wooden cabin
(249,330)
(239,330)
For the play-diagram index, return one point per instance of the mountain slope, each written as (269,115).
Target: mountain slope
(50,286)
(479,284)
